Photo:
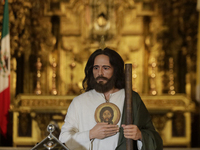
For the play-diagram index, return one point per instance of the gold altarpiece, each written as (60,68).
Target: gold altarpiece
(56,38)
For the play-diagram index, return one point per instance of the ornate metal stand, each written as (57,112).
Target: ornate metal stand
(50,142)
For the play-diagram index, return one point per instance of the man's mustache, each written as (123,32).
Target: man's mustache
(101,77)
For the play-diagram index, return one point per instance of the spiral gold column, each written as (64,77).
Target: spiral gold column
(38,84)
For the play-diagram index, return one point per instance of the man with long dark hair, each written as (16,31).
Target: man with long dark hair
(104,83)
(116,62)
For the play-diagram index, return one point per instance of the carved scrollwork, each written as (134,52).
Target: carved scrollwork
(159,121)
(43,121)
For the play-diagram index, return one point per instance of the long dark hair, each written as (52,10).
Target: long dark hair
(115,60)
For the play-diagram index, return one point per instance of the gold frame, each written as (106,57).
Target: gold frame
(116,112)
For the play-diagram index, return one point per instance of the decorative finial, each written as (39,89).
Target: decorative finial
(50,128)
(102,43)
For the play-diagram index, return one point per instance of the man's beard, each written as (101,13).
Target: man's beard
(101,87)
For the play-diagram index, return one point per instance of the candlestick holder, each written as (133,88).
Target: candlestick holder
(38,84)
(54,66)
(171,77)
(153,90)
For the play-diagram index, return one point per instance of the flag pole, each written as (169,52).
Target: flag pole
(5,72)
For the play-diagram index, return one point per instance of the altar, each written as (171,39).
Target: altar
(171,116)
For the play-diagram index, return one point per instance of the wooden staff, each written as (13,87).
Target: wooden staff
(128,101)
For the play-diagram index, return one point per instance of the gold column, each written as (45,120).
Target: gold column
(134,77)
(38,84)
(198,65)
(153,90)
(171,77)
(54,90)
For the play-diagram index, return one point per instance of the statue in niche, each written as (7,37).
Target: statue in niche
(102,19)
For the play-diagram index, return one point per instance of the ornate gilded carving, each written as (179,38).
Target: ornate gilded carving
(179,40)
(102,20)
(165,103)
(43,120)
(176,102)
(34,33)
(24,128)
(41,103)
(102,44)
(159,121)
(30,102)
(19,17)
(178,124)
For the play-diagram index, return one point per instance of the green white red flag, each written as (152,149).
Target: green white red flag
(5,71)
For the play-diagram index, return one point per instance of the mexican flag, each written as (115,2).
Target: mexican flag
(5,71)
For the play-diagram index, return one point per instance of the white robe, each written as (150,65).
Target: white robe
(80,119)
